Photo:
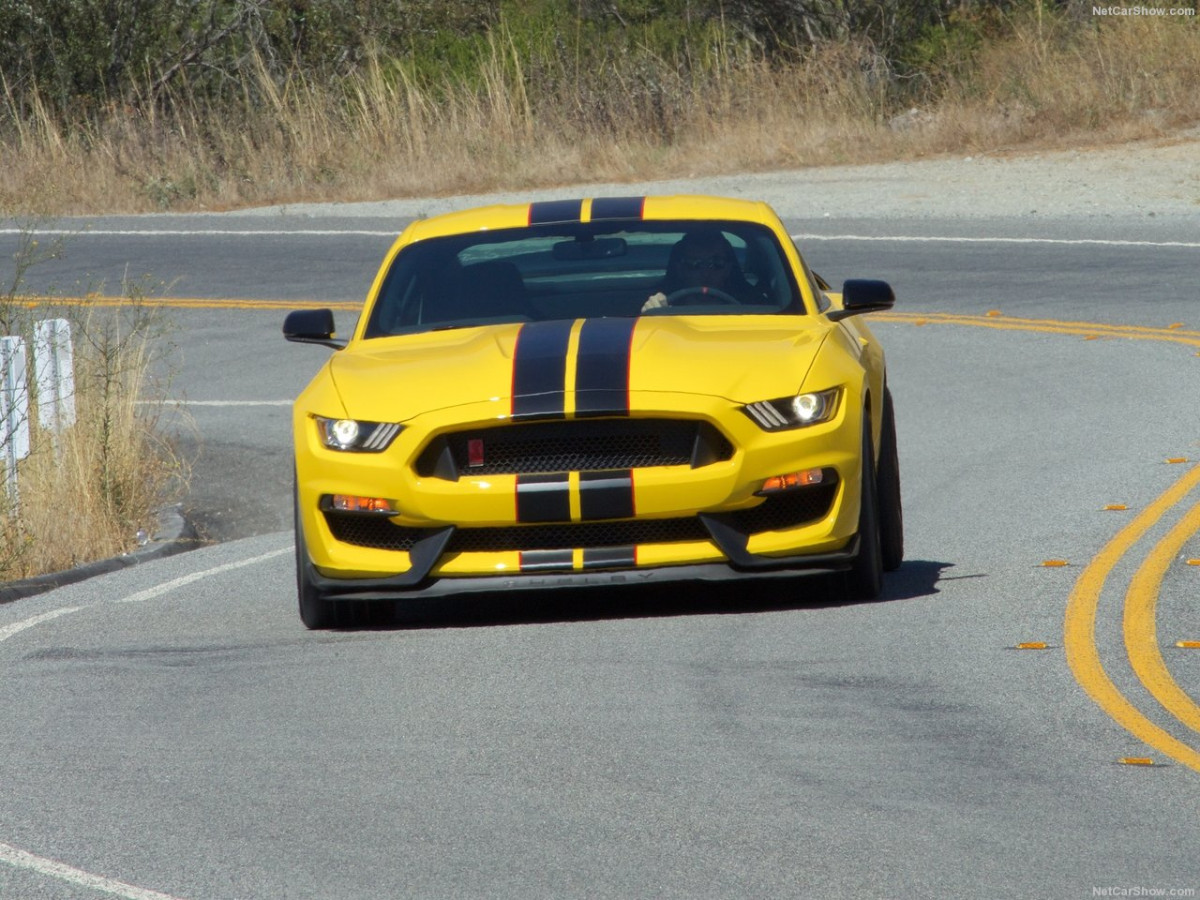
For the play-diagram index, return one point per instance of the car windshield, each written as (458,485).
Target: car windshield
(575,271)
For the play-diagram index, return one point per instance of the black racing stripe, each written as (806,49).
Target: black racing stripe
(606,495)
(544,498)
(547,560)
(609,557)
(540,370)
(602,369)
(617,208)
(550,212)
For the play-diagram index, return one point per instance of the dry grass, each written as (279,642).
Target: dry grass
(1058,84)
(1044,83)
(86,493)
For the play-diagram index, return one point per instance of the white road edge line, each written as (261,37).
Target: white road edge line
(168,586)
(198,232)
(22,860)
(172,402)
(942,239)
(919,239)
(17,627)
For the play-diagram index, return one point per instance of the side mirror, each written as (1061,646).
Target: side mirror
(863,295)
(312,326)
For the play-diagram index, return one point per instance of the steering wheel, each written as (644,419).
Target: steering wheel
(708,293)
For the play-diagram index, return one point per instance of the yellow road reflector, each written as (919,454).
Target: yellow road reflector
(994,313)
(1116,506)
(1136,761)
(1032,645)
(1054,563)
(926,322)
(1177,459)
(1175,325)
(1092,337)
(1193,562)
(1188,645)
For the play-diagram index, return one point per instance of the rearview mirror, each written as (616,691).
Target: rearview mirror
(595,248)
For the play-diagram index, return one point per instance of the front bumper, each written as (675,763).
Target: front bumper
(417,588)
(466,532)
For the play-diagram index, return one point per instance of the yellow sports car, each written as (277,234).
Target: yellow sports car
(593,392)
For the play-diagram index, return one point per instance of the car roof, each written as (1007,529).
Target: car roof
(684,207)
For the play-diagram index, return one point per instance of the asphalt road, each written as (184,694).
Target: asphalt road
(171,730)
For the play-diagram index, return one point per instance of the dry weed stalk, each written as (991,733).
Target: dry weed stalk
(86,492)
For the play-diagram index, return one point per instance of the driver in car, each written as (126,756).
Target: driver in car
(703,269)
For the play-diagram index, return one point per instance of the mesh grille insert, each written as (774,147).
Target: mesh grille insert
(579,445)
(373,531)
(786,510)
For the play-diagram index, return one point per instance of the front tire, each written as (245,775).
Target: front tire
(864,581)
(315,611)
(891,513)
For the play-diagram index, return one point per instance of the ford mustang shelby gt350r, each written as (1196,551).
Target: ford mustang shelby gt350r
(593,392)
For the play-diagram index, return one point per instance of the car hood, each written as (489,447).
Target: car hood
(587,364)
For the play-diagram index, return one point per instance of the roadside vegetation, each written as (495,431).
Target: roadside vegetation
(138,106)
(91,490)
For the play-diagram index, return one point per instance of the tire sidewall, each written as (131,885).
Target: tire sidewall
(864,581)
(890,505)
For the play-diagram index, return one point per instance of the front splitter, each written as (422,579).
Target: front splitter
(402,588)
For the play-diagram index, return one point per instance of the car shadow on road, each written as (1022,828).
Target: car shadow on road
(914,579)
(917,578)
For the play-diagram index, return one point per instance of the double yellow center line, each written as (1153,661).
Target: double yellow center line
(1141,597)
(1141,643)
(1175,334)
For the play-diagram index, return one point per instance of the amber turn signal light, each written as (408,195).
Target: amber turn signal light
(349,503)
(792,480)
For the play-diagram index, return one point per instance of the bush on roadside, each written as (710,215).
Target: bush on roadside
(84,55)
(224,103)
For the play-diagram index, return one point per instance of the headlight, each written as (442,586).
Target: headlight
(354,436)
(794,412)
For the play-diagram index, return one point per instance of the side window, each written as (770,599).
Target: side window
(402,300)
(408,307)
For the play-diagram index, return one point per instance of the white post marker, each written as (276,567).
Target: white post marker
(14,412)
(54,374)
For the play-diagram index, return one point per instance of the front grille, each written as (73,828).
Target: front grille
(577,445)
(781,511)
